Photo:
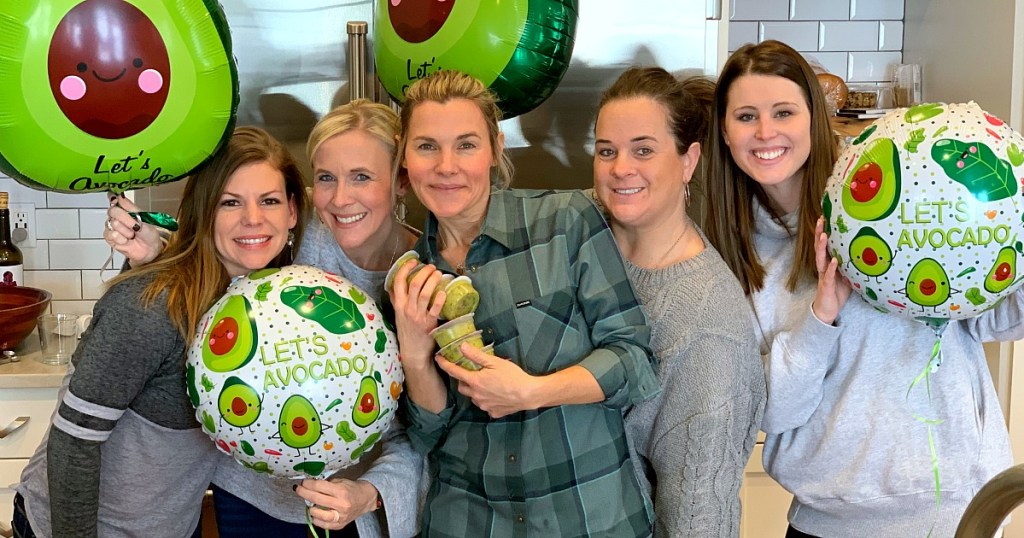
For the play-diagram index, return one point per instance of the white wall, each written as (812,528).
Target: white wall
(859,40)
(69,248)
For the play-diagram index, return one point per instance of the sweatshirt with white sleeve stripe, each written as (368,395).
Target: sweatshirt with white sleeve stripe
(124,455)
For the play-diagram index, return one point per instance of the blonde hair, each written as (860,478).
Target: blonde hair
(730,223)
(189,269)
(376,119)
(443,86)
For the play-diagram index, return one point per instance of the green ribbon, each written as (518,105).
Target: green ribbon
(160,220)
(934,361)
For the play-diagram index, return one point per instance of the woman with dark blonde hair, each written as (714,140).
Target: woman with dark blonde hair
(697,435)
(359,233)
(124,455)
(843,419)
(533,442)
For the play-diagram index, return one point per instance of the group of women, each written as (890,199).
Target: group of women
(625,391)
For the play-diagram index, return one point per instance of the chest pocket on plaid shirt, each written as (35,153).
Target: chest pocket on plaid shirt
(548,337)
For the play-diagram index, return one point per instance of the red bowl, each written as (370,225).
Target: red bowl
(19,308)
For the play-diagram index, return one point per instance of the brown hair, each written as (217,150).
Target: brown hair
(688,102)
(443,86)
(189,269)
(730,222)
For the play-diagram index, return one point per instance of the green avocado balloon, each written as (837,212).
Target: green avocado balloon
(112,95)
(520,49)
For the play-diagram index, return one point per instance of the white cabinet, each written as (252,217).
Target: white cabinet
(764,502)
(17,446)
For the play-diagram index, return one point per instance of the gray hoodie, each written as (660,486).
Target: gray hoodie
(847,427)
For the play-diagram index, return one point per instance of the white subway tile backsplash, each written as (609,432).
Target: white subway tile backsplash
(90,223)
(21,194)
(802,36)
(93,286)
(57,223)
(72,307)
(819,10)
(759,10)
(81,254)
(848,35)
(890,35)
(37,258)
(92,199)
(64,285)
(741,33)
(872,66)
(877,9)
(833,62)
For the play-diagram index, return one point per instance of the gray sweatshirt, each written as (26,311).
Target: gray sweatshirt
(124,456)
(847,431)
(393,467)
(697,434)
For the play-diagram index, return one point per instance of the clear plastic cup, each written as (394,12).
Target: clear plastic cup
(58,337)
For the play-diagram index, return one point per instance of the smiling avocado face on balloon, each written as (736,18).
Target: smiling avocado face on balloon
(1003,272)
(869,253)
(239,403)
(231,341)
(108,68)
(299,426)
(871,190)
(928,284)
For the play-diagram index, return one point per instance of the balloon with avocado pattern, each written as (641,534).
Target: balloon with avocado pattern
(294,372)
(924,212)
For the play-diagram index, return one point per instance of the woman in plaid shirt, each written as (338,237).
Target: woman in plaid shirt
(533,443)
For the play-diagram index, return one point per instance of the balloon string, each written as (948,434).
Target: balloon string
(931,367)
(312,529)
(109,264)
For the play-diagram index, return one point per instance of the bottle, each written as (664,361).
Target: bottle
(10,256)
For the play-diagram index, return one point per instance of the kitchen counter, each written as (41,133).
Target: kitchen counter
(29,372)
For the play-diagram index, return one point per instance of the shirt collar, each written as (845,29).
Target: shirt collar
(500,223)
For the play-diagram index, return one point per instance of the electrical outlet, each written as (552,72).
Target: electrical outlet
(23,217)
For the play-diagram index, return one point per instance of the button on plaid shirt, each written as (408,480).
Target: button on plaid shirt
(553,293)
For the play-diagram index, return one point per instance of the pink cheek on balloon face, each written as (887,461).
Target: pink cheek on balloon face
(396,2)
(72,88)
(959,164)
(150,81)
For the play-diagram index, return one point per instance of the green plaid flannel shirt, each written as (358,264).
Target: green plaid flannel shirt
(553,293)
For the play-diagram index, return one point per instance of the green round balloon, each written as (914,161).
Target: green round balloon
(520,49)
(141,100)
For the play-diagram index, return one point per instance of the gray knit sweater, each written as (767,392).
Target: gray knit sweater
(698,433)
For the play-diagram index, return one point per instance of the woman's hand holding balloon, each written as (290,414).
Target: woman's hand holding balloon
(833,289)
(138,242)
(336,503)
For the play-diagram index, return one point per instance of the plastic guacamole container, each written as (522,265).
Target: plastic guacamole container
(389,279)
(453,352)
(461,298)
(488,349)
(445,279)
(451,331)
